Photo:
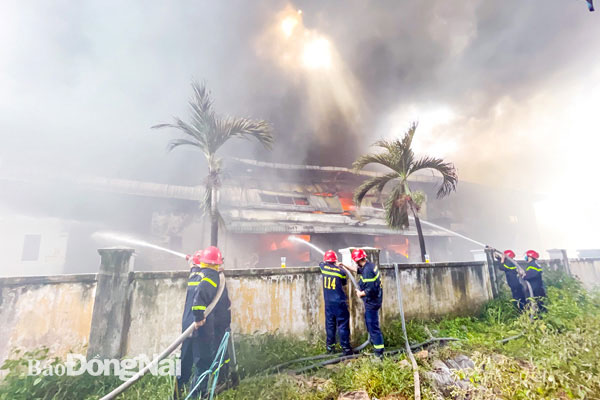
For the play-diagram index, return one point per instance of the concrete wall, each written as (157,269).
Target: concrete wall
(57,311)
(46,311)
(587,270)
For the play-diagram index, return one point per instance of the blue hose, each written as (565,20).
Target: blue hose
(212,373)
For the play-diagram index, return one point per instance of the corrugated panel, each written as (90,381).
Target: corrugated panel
(292,228)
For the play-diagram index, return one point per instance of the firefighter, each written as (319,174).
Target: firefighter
(511,271)
(533,275)
(190,348)
(372,294)
(202,289)
(337,316)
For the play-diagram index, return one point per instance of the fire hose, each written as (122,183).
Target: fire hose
(409,353)
(520,272)
(171,348)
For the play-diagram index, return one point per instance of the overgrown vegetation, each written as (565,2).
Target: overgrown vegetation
(556,357)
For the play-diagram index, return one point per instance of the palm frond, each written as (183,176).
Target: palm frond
(377,183)
(409,135)
(396,208)
(182,142)
(245,128)
(193,130)
(386,159)
(447,170)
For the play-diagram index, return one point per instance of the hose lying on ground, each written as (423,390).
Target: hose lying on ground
(389,353)
(172,347)
(278,367)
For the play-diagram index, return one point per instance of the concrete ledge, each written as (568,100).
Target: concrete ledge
(453,264)
(295,270)
(47,279)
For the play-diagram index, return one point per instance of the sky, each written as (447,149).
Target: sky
(507,90)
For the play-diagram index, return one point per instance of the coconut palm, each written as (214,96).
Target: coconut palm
(207,132)
(399,157)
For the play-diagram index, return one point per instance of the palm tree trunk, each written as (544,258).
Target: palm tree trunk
(214,217)
(420,234)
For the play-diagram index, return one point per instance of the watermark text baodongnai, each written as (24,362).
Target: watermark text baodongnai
(77,364)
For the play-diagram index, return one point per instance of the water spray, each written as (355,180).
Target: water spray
(451,232)
(137,242)
(527,284)
(300,240)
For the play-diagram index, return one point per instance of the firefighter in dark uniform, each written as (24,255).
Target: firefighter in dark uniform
(205,280)
(337,317)
(190,349)
(372,295)
(511,271)
(533,275)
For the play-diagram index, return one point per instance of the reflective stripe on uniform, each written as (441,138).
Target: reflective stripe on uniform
(194,283)
(507,267)
(209,281)
(370,279)
(196,308)
(333,274)
(533,268)
(378,346)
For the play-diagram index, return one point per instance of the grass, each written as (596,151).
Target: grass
(556,358)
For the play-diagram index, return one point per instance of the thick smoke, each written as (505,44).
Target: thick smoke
(488,82)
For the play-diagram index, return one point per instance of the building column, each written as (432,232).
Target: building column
(560,254)
(110,317)
(489,254)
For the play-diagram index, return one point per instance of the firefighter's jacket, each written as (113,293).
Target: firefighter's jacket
(206,290)
(334,280)
(533,275)
(370,283)
(510,270)
(192,284)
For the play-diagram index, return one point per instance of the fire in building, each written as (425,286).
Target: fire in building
(50,231)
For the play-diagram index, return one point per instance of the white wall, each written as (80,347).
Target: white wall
(53,245)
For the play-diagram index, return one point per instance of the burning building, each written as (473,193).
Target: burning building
(50,219)
(266,203)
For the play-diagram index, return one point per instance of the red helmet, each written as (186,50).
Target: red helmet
(211,255)
(509,253)
(532,254)
(330,256)
(195,257)
(358,254)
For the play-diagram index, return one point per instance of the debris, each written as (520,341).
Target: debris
(445,378)
(422,355)
(354,395)
(403,363)
(311,384)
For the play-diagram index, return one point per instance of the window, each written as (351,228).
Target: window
(31,248)
(287,200)
(268,198)
(300,201)
(377,205)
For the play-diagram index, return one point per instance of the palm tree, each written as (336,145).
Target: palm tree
(399,157)
(207,132)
